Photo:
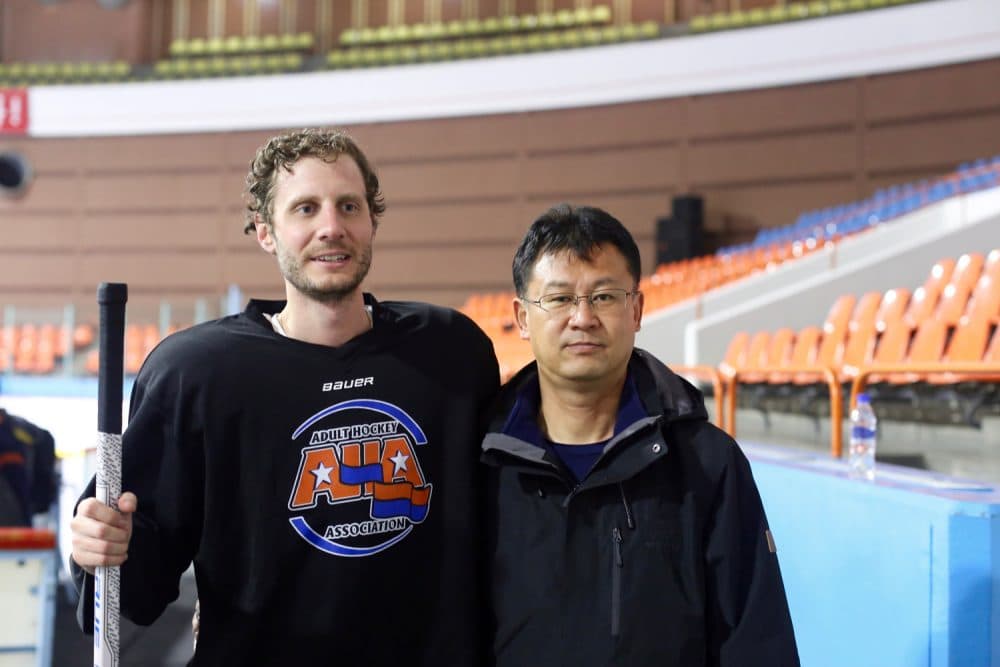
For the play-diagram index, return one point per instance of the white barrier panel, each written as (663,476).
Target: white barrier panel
(27,597)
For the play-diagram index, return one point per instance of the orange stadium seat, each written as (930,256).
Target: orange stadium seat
(925,297)
(956,292)
(8,346)
(892,334)
(134,351)
(756,357)
(806,347)
(991,266)
(779,353)
(927,347)
(150,337)
(957,330)
(803,353)
(892,348)
(831,347)
(993,351)
(10,334)
(46,352)
(48,334)
(26,349)
(736,353)
(971,336)
(513,354)
(967,345)
(984,301)
(861,333)
(892,308)
(968,268)
(92,362)
(83,336)
(45,360)
(62,341)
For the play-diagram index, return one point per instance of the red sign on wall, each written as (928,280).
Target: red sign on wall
(13,111)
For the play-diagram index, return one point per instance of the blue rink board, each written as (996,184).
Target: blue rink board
(902,572)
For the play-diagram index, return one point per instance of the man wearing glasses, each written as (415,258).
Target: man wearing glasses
(625,529)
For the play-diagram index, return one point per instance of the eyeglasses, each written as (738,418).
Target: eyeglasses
(602,302)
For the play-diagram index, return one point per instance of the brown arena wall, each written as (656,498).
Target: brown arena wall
(163,213)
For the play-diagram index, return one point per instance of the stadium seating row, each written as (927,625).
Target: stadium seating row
(497,46)
(908,345)
(395,45)
(951,317)
(783,12)
(140,339)
(25,74)
(35,349)
(238,45)
(838,221)
(462,29)
(185,68)
(38,349)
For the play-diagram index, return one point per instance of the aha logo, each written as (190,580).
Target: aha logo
(360,463)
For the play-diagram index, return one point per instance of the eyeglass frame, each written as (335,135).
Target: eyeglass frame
(577,298)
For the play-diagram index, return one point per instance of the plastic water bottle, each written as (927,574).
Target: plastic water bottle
(861,453)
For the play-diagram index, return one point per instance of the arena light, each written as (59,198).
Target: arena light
(112,4)
(15,174)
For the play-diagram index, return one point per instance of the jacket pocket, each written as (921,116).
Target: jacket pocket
(617,563)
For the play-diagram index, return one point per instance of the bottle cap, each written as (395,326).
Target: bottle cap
(863,398)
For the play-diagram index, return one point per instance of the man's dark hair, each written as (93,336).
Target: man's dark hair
(578,230)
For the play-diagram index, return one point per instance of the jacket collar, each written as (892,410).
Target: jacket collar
(652,393)
(522,420)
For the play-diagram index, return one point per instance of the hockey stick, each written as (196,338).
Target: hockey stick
(111,298)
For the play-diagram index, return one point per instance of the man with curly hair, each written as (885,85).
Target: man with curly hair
(312,457)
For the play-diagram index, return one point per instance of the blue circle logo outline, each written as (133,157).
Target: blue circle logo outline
(299,524)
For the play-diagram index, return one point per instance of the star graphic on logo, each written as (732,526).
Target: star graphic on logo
(400,462)
(322,474)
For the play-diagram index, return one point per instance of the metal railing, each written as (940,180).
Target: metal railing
(712,374)
(734,375)
(965,369)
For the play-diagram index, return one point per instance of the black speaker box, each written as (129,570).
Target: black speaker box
(680,236)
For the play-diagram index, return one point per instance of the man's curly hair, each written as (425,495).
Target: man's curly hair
(283,151)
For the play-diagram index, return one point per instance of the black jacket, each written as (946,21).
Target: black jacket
(661,556)
(28,476)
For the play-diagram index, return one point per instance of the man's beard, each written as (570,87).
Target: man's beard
(336,288)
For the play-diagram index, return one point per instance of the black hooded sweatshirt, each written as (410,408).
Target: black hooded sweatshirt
(660,557)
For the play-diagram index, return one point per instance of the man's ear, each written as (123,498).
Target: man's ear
(265,237)
(521,318)
(638,302)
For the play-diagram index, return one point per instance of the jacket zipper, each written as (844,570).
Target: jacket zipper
(616,581)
